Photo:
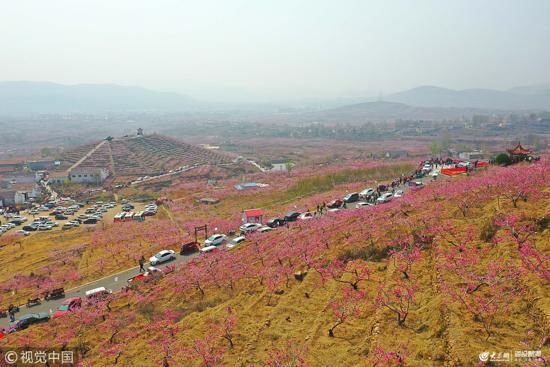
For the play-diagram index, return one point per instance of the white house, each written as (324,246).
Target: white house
(95,175)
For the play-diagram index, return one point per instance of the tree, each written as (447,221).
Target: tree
(348,304)
(207,351)
(289,356)
(228,325)
(351,272)
(483,286)
(503,159)
(382,357)
(397,298)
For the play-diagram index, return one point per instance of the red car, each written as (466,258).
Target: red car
(69,305)
(335,204)
(151,271)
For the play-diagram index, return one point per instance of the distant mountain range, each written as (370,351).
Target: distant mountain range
(381,110)
(526,97)
(44,97)
(25,97)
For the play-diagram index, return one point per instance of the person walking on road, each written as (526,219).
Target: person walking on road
(141,263)
(11,313)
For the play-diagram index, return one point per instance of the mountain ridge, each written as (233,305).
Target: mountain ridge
(20,97)
(517,98)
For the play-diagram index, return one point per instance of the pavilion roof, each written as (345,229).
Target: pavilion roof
(519,150)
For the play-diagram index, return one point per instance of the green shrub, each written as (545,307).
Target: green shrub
(503,159)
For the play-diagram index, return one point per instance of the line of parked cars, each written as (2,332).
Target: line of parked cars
(67,306)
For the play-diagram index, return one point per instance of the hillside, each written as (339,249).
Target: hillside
(146,155)
(25,97)
(385,110)
(432,279)
(528,97)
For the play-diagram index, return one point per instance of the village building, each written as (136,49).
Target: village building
(471,156)
(280,165)
(57,177)
(253,216)
(43,165)
(12,165)
(92,175)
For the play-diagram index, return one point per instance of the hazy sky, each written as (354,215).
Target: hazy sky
(277,49)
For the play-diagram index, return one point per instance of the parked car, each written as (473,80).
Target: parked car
(162,256)
(67,226)
(44,227)
(207,249)
(367,193)
(69,305)
(275,222)
(385,198)
(235,241)
(61,217)
(398,194)
(292,216)
(30,228)
(351,197)
(265,229)
(23,232)
(26,320)
(90,221)
(362,204)
(336,203)
(250,227)
(97,293)
(215,239)
(305,216)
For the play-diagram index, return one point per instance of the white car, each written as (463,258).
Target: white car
(398,194)
(250,227)
(367,192)
(23,233)
(305,216)
(207,249)
(214,240)
(235,241)
(362,204)
(385,198)
(162,256)
(44,227)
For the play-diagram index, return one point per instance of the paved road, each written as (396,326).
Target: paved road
(114,281)
(117,281)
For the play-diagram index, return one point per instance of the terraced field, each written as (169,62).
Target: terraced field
(146,155)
